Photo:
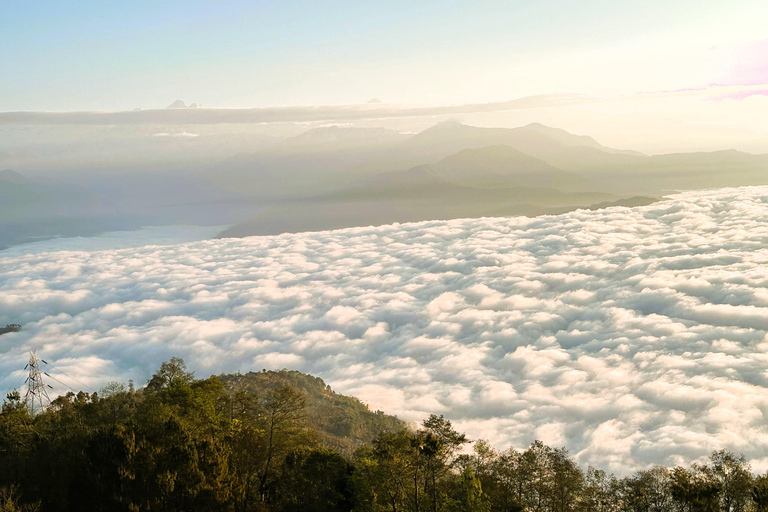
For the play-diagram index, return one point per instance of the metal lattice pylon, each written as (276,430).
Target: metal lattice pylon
(36,398)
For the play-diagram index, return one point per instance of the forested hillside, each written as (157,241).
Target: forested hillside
(283,441)
(343,423)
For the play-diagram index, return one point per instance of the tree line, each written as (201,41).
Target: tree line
(186,444)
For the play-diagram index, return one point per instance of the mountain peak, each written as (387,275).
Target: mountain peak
(501,165)
(448,124)
(335,136)
(548,130)
(181,104)
(449,128)
(569,139)
(11,176)
(499,157)
(499,150)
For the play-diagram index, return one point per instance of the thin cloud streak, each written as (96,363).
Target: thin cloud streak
(297,114)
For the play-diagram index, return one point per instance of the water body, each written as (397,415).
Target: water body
(149,235)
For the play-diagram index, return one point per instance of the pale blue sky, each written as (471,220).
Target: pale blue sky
(120,55)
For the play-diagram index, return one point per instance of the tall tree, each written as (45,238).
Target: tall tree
(732,473)
(566,480)
(695,490)
(760,493)
(263,433)
(470,494)
(315,480)
(600,492)
(439,445)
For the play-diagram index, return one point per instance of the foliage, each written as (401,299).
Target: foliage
(343,423)
(272,441)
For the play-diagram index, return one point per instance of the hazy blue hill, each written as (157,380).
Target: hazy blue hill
(447,138)
(495,167)
(316,161)
(394,182)
(504,166)
(334,138)
(387,207)
(683,171)
(568,139)
(557,148)
(11,176)
(324,159)
(432,192)
(420,185)
(345,423)
(726,165)
(475,182)
(453,170)
(535,210)
(629,202)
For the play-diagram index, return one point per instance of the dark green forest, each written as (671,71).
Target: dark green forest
(284,441)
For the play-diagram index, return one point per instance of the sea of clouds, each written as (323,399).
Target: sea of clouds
(631,336)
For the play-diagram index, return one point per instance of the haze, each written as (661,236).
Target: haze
(485,210)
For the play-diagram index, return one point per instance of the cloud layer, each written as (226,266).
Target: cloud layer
(297,114)
(631,336)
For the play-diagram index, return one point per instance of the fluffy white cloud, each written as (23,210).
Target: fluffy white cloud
(631,336)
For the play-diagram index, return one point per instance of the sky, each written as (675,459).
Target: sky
(72,56)
(632,336)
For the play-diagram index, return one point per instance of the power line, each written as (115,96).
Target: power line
(67,375)
(18,379)
(63,384)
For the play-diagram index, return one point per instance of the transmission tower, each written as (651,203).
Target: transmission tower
(36,398)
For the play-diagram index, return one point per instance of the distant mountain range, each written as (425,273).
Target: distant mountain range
(505,166)
(334,177)
(340,176)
